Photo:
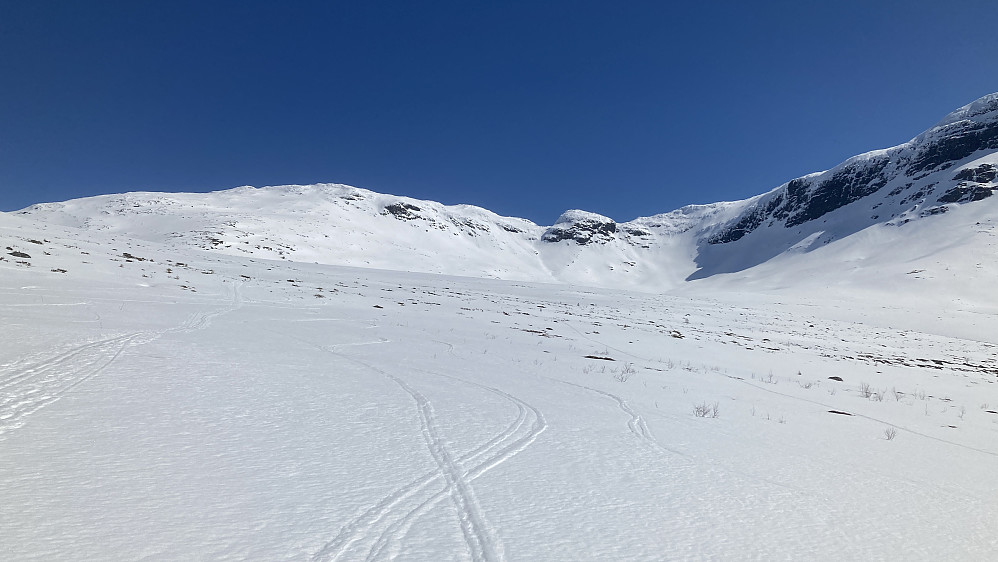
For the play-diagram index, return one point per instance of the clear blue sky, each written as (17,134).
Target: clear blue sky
(625,108)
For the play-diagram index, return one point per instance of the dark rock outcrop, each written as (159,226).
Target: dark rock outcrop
(403,211)
(581,227)
(985,173)
(970,130)
(966,193)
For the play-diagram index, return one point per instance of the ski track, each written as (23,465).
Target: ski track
(365,523)
(637,426)
(795,398)
(45,382)
(396,533)
(480,537)
(394,522)
(202,320)
(636,423)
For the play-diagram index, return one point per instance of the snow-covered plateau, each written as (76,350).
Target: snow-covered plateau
(328,373)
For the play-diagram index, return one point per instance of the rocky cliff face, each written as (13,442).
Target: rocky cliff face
(913,171)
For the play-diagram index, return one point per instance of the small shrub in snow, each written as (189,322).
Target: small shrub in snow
(865,390)
(890,433)
(705,410)
(625,372)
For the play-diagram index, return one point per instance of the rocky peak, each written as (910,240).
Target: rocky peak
(581,226)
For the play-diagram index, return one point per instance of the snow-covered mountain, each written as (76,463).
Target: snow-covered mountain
(915,200)
(180,381)
(949,165)
(343,225)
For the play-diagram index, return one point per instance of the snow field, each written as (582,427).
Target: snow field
(237,409)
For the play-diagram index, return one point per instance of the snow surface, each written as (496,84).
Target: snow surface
(328,373)
(160,401)
(343,225)
(572,216)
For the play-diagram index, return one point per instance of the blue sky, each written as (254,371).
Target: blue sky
(526,108)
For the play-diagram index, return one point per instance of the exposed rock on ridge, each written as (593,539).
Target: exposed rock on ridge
(582,227)
(966,132)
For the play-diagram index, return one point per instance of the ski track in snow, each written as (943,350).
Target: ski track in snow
(763,388)
(481,539)
(394,521)
(405,523)
(30,389)
(636,423)
(201,320)
(400,530)
(638,427)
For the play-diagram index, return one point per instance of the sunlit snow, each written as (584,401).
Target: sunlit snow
(169,403)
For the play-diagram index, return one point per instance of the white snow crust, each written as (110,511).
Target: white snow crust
(163,401)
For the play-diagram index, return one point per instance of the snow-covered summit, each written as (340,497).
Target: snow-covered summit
(984,108)
(930,178)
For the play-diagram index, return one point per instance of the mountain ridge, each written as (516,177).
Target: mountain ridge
(930,177)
